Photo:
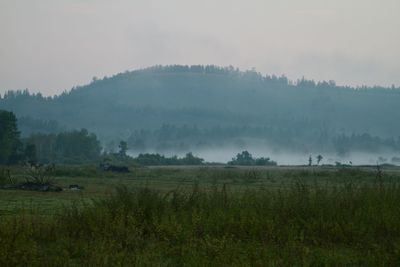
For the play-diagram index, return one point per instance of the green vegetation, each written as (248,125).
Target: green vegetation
(71,147)
(190,107)
(29,126)
(246,159)
(10,144)
(157,159)
(206,216)
(148,159)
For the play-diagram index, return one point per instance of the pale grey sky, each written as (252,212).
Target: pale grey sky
(52,45)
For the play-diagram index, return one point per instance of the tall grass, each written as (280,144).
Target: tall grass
(303,225)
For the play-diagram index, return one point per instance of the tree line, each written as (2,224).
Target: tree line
(81,146)
(246,159)
(65,147)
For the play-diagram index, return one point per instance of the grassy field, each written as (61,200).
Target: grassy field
(197,216)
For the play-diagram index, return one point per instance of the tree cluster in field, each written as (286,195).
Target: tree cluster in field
(157,159)
(73,147)
(246,159)
(79,147)
(148,159)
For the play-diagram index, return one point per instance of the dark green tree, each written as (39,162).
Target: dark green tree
(77,147)
(246,159)
(45,145)
(123,148)
(10,144)
(190,159)
(74,147)
(319,158)
(30,154)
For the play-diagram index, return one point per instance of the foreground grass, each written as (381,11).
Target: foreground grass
(99,185)
(300,225)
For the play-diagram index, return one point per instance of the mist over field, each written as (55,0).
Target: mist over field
(217,112)
(224,155)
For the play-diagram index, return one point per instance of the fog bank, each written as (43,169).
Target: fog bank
(223,155)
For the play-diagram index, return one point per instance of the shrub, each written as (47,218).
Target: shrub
(246,159)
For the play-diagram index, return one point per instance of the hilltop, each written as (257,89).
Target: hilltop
(246,104)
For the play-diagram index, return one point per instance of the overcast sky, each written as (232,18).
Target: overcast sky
(53,45)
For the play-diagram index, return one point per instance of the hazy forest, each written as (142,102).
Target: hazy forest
(177,109)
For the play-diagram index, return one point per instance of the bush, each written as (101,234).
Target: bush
(246,159)
(157,159)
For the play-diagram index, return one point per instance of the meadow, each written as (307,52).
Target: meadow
(197,216)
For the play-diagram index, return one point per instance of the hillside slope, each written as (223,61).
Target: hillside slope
(209,96)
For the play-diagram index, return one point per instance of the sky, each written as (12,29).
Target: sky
(52,45)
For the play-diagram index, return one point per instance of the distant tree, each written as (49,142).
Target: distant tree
(246,159)
(264,162)
(30,154)
(310,161)
(77,147)
(10,143)
(123,148)
(150,159)
(28,126)
(157,159)
(319,158)
(73,147)
(189,159)
(243,158)
(45,146)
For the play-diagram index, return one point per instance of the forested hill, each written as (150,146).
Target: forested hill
(209,96)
